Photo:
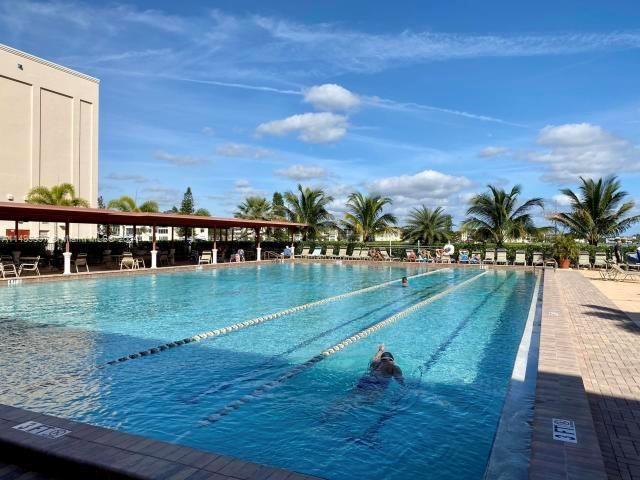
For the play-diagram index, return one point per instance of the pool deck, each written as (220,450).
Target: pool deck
(589,372)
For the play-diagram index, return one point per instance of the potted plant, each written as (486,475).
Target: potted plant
(564,249)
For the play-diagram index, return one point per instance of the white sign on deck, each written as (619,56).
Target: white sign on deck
(564,430)
(42,430)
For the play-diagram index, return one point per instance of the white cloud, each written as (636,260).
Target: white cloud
(323,127)
(426,184)
(331,97)
(208,131)
(183,160)
(561,200)
(241,150)
(582,149)
(127,178)
(302,172)
(165,196)
(492,152)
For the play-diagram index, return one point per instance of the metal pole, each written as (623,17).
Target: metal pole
(16,232)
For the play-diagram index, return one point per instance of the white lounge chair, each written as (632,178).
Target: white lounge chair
(304,253)
(387,257)
(476,258)
(30,266)
(342,253)
(317,253)
(501,257)
(205,258)
(463,256)
(411,255)
(621,274)
(600,260)
(81,261)
(521,258)
(364,254)
(537,259)
(355,254)
(8,269)
(489,257)
(583,260)
(128,262)
(329,252)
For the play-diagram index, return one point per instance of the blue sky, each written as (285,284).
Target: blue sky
(426,102)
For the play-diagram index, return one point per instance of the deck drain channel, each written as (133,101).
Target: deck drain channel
(258,320)
(232,406)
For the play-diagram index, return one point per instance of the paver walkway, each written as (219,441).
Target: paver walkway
(608,347)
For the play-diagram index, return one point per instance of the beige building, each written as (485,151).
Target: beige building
(48,135)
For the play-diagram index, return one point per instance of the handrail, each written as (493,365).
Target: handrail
(271,255)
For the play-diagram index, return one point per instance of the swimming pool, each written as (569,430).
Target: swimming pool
(265,392)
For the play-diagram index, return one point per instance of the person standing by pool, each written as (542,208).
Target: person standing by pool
(381,370)
(617,251)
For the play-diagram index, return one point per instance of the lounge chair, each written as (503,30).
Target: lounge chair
(329,252)
(632,261)
(364,254)
(30,266)
(163,258)
(501,257)
(622,275)
(521,258)
(205,258)
(355,254)
(385,256)
(172,256)
(550,262)
(411,256)
(342,253)
(489,257)
(128,262)
(600,261)
(317,253)
(8,269)
(81,261)
(463,256)
(583,260)
(304,253)
(476,258)
(537,259)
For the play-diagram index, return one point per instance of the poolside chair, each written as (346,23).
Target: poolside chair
(600,261)
(521,258)
(355,254)
(303,253)
(622,275)
(8,269)
(163,258)
(501,257)
(128,262)
(30,266)
(329,252)
(463,256)
(386,257)
(583,260)
(342,253)
(317,253)
(476,258)
(364,254)
(537,259)
(205,258)
(550,262)
(81,261)
(411,256)
(632,261)
(489,257)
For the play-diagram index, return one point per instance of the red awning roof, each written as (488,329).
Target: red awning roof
(26,212)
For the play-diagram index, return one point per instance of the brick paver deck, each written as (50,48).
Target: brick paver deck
(609,345)
(607,350)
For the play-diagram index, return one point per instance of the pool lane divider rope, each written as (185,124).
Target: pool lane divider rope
(258,320)
(232,406)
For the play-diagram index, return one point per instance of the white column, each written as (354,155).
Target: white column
(67,263)
(214,255)
(259,253)
(154,259)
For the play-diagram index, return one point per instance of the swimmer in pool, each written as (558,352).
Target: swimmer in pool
(405,283)
(381,370)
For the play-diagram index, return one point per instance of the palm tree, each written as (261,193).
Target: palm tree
(309,206)
(365,215)
(128,204)
(63,194)
(254,208)
(428,226)
(597,210)
(493,214)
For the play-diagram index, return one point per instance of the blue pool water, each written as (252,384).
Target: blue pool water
(456,352)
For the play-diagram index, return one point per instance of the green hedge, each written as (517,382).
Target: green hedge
(29,248)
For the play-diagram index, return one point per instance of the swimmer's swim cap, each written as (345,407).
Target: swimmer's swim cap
(387,355)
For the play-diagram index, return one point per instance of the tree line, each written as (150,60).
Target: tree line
(597,209)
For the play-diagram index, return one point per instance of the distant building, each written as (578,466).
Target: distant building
(48,135)
(392,235)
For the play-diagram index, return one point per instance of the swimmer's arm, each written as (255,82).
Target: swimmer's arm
(397,374)
(376,357)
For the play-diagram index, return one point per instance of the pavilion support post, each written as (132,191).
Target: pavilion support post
(214,251)
(258,248)
(154,252)
(67,251)
(15,231)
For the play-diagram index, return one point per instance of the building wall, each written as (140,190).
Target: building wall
(48,134)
